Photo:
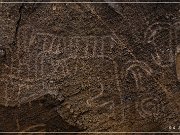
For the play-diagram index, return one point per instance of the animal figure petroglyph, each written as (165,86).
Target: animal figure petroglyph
(43,58)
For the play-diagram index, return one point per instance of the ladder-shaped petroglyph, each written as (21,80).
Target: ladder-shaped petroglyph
(159,35)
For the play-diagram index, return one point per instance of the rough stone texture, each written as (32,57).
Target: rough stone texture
(89,67)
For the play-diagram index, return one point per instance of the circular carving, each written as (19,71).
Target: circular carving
(150,106)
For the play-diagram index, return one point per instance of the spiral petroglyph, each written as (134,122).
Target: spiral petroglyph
(150,107)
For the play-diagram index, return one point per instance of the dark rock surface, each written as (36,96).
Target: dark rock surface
(89,67)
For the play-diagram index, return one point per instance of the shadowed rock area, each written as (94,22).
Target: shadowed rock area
(90,67)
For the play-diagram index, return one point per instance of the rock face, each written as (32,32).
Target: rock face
(89,67)
(178,64)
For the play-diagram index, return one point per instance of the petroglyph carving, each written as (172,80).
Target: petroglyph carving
(87,67)
(150,107)
(101,99)
(43,57)
(159,35)
(138,69)
(42,61)
(102,96)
